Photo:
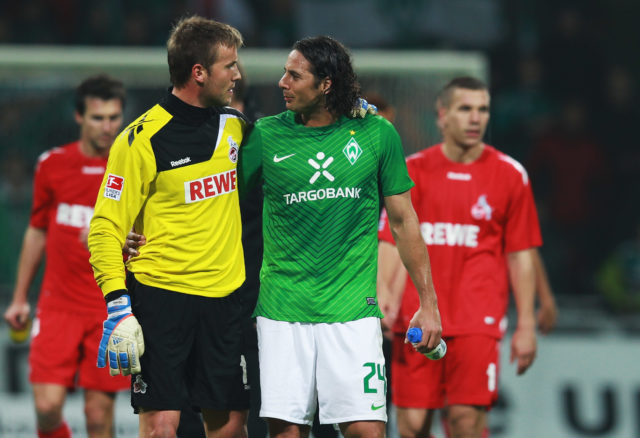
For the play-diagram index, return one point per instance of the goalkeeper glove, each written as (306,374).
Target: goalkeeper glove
(363,108)
(122,343)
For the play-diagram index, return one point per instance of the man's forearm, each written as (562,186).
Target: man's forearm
(415,258)
(522,276)
(106,256)
(33,247)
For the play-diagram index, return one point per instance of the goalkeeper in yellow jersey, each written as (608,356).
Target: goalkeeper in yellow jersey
(171,176)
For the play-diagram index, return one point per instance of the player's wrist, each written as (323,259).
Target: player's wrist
(114,295)
(528,324)
(118,306)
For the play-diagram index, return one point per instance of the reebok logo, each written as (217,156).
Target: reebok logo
(113,187)
(92,170)
(457,176)
(181,161)
(210,186)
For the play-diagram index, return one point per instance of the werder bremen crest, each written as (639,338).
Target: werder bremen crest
(352,151)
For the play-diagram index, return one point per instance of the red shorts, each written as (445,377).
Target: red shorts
(64,351)
(467,375)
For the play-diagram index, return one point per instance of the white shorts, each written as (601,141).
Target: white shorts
(340,365)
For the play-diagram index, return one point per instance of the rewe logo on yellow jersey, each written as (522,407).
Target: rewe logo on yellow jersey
(210,186)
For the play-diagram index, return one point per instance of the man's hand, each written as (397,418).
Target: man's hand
(83,237)
(122,343)
(428,320)
(387,323)
(363,108)
(132,243)
(523,348)
(17,315)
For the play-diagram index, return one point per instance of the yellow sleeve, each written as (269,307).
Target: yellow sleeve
(130,172)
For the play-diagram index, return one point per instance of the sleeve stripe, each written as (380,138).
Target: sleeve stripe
(516,165)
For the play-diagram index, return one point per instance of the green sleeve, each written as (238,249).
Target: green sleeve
(250,161)
(393,175)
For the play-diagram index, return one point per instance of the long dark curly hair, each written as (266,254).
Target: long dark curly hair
(330,59)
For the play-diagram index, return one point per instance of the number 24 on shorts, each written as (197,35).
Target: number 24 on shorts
(375,368)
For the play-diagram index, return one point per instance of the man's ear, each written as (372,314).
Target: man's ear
(325,85)
(198,73)
(78,117)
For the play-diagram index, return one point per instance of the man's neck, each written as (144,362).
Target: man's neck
(188,94)
(89,151)
(317,118)
(462,154)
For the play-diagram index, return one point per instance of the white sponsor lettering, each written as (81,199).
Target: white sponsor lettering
(93,170)
(78,216)
(459,176)
(445,233)
(329,193)
(210,186)
(181,161)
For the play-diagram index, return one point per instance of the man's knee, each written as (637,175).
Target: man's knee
(231,424)
(48,412)
(160,424)
(98,411)
(414,423)
(284,429)
(363,429)
(466,421)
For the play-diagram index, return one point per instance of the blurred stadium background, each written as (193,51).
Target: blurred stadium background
(563,103)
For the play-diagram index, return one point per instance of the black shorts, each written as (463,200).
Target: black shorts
(192,351)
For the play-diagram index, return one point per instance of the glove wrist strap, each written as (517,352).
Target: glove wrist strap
(113,295)
(119,306)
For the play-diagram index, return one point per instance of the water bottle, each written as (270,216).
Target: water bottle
(414,335)
(20,335)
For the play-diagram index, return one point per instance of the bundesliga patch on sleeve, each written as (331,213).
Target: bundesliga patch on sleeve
(113,188)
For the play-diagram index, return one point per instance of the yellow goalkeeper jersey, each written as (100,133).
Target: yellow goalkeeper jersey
(171,175)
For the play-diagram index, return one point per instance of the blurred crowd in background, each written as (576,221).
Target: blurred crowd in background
(563,79)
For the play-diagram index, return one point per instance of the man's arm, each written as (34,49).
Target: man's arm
(522,275)
(249,162)
(391,281)
(547,311)
(33,246)
(405,228)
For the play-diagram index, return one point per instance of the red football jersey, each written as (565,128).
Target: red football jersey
(471,216)
(65,190)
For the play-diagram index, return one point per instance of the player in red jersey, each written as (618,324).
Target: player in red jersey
(479,221)
(68,322)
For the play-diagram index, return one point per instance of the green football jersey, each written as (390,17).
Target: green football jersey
(322,190)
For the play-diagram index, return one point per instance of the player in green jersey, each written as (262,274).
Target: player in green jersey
(323,176)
